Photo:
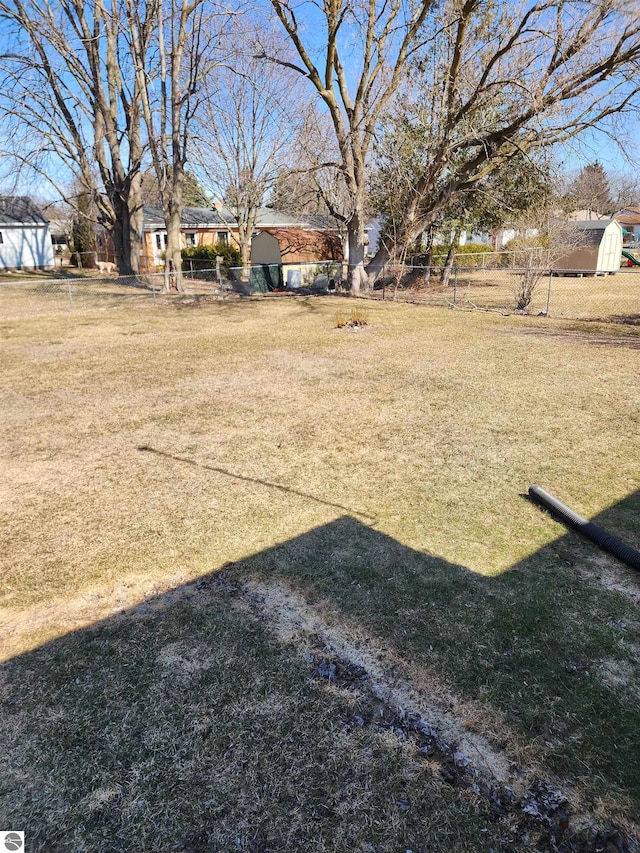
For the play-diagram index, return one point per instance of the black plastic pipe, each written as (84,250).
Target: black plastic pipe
(605,540)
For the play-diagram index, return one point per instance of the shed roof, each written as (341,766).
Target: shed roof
(593,230)
(20,210)
(593,224)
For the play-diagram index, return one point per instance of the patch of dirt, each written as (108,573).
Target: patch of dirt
(313,631)
(576,337)
(180,661)
(393,696)
(608,572)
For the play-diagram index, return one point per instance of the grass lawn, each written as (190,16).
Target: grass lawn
(271,585)
(614,297)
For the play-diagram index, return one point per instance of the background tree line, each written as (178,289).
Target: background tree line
(425,112)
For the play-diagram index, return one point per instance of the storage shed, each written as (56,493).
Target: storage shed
(25,241)
(598,250)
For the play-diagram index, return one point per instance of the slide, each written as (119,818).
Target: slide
(631,258)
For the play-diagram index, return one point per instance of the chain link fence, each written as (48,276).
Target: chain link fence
(531,290)
(613,297)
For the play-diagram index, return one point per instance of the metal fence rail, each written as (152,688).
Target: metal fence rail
(530,290)
(535,291)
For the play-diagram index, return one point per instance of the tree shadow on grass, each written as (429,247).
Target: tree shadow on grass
(186,725)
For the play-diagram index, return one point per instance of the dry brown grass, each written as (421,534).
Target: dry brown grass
(590,297)
(147,446)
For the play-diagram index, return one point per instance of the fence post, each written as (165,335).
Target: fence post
(455,285)
(153,287)
(70,293)
(549,292)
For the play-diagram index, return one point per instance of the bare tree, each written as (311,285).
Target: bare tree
(378,40)
(183,47)
(73,102)
(247,129)
(542,241)
(625,189)
(502,81)
(313,185)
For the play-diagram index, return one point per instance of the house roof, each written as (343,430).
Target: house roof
(269,218)
(593,224)
(206,217)
(585,215)
(20,210)
(628,218)
(192,217)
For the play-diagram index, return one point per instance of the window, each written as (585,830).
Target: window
(1,238)
(223,237)
(190,238)
(161,241)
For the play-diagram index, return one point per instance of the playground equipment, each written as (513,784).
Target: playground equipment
(631,259)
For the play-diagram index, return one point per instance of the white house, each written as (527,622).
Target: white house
(25,241)
(629,218)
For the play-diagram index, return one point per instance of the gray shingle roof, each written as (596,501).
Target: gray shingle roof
(206,217)
(192,217)
(270,218)
(20,210)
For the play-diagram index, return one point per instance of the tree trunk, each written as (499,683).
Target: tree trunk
(357,250)
(126,233)
(244,239)
(173,255)
(448,264)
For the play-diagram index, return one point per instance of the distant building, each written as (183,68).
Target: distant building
(629,219)
(599,248)
(277,239)
(25,240)
(586,215)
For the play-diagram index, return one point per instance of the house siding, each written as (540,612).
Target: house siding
(26,247)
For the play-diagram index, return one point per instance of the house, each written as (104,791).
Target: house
(277,239)
(598,249)
(629,219)
(199,226)
(440,237)
(585,214)
(299,240)
(25,241)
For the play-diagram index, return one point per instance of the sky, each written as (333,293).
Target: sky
(590,147)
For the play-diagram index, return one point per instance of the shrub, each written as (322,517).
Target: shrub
(208,255)
(469,255)
(528,255)
(525,251)
(358,318)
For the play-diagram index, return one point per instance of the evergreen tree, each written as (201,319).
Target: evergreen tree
(589,190)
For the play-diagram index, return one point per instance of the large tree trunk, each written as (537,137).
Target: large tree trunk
(244,239)
(126,233)
(173,255)
(357,250)
(448,264)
